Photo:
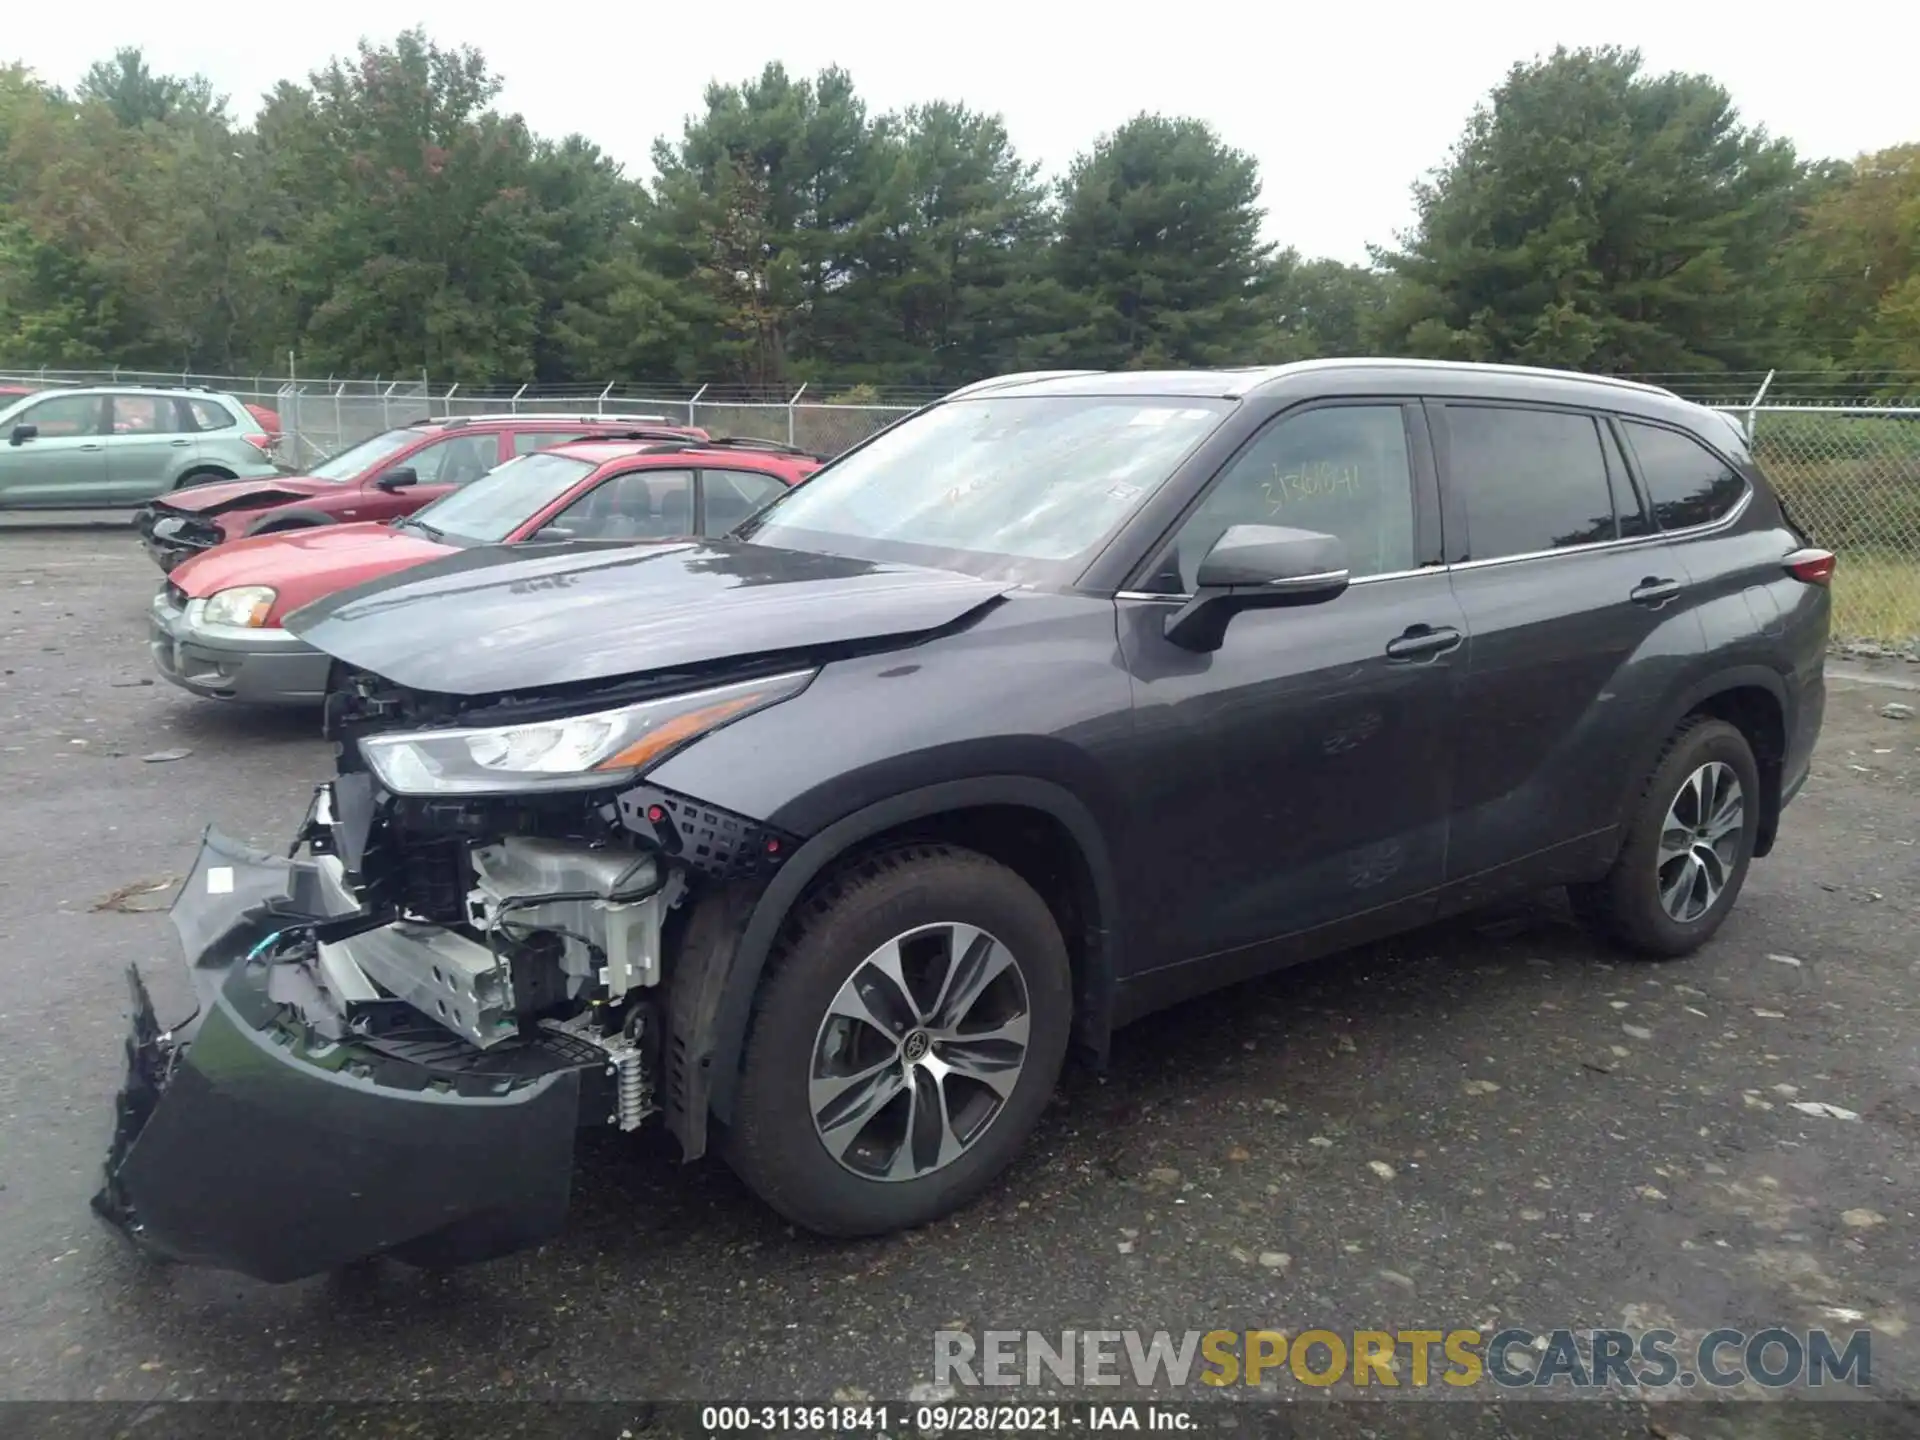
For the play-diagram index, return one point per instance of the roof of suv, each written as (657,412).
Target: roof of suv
(1306,377)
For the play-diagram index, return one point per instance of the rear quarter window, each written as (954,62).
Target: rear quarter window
(206,415)
(1686,482)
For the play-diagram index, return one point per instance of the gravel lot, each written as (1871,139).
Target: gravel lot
(1490,1123)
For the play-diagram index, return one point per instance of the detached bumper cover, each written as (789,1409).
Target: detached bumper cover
(249,1141)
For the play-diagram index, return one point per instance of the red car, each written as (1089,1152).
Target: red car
(216,627)
(389,475)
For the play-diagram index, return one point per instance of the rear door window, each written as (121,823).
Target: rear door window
(206,415)
(1687,483)
(639,505)
(144,415)
(1527,481)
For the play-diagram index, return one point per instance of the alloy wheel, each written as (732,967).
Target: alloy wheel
(1700,841)
(919,1051)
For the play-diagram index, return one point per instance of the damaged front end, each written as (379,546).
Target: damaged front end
(401,1026)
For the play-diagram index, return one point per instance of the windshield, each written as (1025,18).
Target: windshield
(1023,488)
(491,508)
(354,461)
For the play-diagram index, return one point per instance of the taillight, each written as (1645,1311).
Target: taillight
(261,442)
(1815,567)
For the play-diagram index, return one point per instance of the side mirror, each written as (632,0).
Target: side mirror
(23,433)
(398,479)
(1257,567)
(553,532)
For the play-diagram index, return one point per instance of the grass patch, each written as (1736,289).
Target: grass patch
(1876,597)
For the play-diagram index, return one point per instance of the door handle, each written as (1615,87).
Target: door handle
(1419,642)
(180,444)
(1653,591)
(85,448)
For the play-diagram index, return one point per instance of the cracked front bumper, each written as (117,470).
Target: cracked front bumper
(249,1140)
(171,538)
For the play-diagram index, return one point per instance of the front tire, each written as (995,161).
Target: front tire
(904,1043)
(1688,845)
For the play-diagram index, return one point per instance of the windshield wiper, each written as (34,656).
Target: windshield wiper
(412,522)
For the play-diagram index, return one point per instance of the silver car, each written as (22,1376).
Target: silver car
(105,446)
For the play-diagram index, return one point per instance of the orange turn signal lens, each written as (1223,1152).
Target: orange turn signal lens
(677,731)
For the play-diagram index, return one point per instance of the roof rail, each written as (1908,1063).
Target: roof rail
(1021,377)
(454,422)
(752,442)
(679,445)
(1260,374)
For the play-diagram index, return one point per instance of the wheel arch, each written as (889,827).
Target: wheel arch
(1014,819)
(202,474)
(1754,700)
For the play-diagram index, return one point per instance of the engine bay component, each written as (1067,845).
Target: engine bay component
(440,973)
(605,905)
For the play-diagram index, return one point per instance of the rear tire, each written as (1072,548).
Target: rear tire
(1688,845)
(892,991)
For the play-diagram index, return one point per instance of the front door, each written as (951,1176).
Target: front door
(1299,776)
(440,466)
(65,463)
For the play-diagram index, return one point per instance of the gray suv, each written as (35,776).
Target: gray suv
(113,445)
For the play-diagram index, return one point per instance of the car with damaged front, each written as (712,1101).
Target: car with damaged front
(215,626)
(381,477)
(1061,700)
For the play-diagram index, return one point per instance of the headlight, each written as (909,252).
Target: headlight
(576,752)
(244,605)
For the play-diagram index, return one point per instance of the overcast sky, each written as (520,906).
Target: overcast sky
(1343,104)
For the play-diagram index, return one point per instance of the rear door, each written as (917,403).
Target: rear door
(150,443)
(1574,606)
(729,497)
(65,463)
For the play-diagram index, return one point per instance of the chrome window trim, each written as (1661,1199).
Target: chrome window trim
(1631,542)
(1435,569)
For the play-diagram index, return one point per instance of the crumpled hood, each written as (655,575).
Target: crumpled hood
(303,565)
(495,619)
(245,494)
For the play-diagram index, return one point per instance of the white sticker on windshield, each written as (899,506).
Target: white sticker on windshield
(1202,414)
(1155,416)
(1122,491)
(220,880)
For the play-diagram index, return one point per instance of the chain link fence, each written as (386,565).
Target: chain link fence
(1851,477)
(1851,474)
(315,417)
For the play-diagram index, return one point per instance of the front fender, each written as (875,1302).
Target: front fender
(725,976)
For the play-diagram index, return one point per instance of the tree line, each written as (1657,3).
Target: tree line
(385,217)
